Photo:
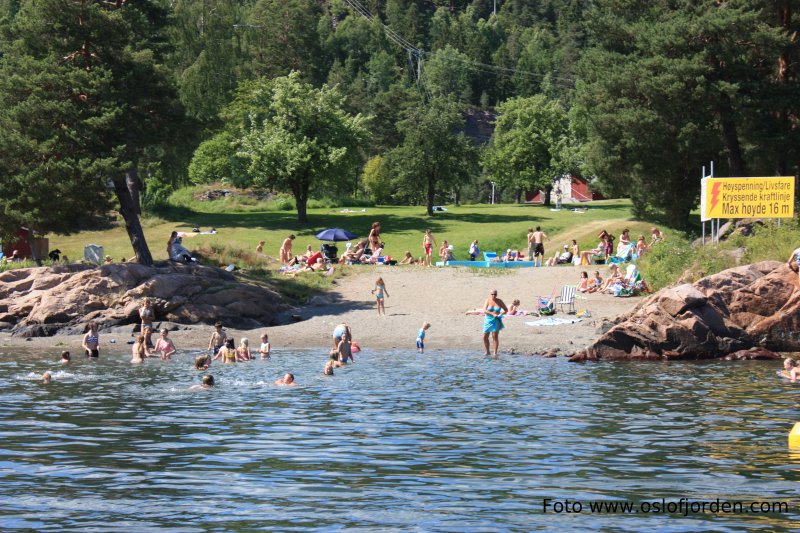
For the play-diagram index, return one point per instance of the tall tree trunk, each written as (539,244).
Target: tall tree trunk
(129,212)
(518,195)
(431,192)
(547,191)
(302,208)
(300,191)
(784,63)
(134,185)
(726,118)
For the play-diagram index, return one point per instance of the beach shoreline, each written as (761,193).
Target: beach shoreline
(440,296)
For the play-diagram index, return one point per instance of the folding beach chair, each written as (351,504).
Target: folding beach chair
(567,298)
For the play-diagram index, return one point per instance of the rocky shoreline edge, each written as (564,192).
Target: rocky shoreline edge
(747,312)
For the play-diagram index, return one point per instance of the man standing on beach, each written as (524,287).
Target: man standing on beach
(538,237)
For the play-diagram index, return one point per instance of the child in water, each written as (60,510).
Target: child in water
(421,337)
(243,351)
(208,383)
(265,347)
(91,341)
(218,339)
(345,349)
(201,362)
(379,291)
(65,358)
(792,369)
(227,353)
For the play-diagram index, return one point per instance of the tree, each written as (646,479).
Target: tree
(530,145)
(376,180)
(298,139)
(54,180)
(84,91)
(282,35)
(668,90)
(434,154)
(447,72)
(209,56)
(212,160)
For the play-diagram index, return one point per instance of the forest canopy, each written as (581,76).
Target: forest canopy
(637,96)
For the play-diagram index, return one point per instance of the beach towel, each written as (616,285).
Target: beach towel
(553,321)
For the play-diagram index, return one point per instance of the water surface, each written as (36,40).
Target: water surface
(447,441)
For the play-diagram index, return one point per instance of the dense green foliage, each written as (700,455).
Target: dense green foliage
(295,138)
(84,102)
(639,95)
(675,258)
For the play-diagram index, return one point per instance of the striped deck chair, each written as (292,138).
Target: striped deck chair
(567,298)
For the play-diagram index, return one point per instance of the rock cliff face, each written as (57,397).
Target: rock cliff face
(750,311)
(62,299)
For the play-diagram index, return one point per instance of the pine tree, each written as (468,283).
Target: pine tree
(83,96)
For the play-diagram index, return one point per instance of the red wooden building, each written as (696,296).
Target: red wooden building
(573,189)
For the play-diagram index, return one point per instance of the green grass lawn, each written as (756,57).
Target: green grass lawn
(242,222)
(497,227)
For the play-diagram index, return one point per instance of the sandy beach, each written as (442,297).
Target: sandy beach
(416,294)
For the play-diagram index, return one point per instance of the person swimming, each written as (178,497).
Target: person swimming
(65,358)
(46,377)
(328,370)
(791,368)
(208,383)
(288,379)
(201,362)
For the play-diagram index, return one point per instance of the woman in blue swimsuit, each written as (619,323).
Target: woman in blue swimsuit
(493,311)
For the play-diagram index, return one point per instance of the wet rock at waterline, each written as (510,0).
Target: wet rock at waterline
(747,312)
(62,299)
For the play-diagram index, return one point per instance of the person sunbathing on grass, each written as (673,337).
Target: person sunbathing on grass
(355,254)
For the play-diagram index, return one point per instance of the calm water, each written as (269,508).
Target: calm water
(448,441)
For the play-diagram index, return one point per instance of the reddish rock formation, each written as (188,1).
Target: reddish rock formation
(745,312)
(61,299)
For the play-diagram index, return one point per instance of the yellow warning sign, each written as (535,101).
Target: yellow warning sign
(748,197)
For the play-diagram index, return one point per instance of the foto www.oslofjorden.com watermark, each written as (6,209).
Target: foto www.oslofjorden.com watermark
(683,506)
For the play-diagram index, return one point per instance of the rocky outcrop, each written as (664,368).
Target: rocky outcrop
(747,312)
(62,299)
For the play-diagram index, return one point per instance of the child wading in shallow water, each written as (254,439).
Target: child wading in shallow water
(265,347)
(91,341)
(345,349)
(379,291)
(421,337)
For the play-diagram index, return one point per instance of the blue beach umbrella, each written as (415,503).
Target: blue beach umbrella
(336,234)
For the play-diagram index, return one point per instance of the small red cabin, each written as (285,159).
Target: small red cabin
(20,244)
(573,188)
